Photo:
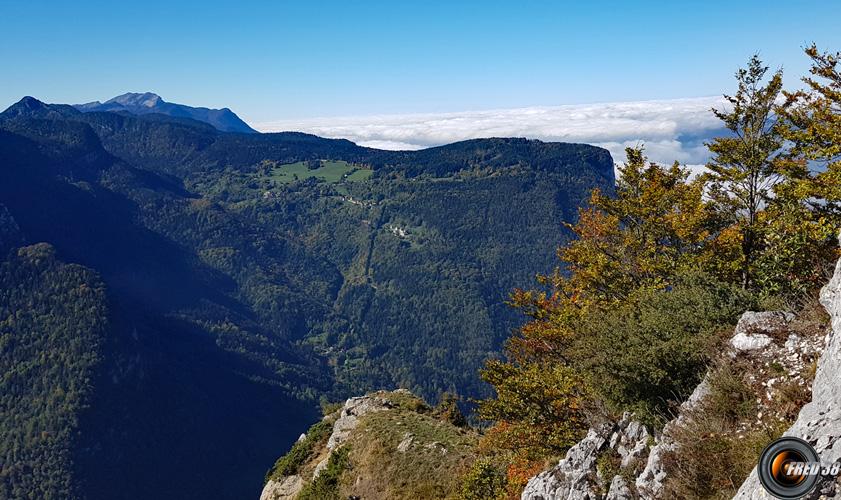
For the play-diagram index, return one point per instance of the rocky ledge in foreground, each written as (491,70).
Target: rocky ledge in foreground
(382,445)
(639,459)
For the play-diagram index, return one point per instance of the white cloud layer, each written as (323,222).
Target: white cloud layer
(670,129)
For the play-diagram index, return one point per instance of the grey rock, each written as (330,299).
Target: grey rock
(341,430)
(651,481)
(320,466)
(619,490)
(406,443)
(630,440)
(436,446)
(744,342)
(634,454)
(349,417)
(577,477)
(793,342)
(286,488)
(573,477)
(819,421)
(348,420)
(755,329)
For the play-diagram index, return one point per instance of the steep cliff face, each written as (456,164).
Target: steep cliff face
(819,421)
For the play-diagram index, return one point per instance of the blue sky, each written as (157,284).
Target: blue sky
(295,60)
(406,75)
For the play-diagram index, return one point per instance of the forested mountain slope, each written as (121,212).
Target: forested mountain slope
(53,324)
(245,276)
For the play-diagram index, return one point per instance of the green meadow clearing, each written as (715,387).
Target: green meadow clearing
(330,171)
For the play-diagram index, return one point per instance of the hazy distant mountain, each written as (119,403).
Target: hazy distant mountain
(140,104)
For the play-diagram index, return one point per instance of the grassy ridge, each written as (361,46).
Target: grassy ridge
(407,450)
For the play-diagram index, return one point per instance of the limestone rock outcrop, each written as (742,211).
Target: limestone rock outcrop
(348,420)
(288,487)
(285,489)
(349,417)
(577,475)
(819,421)
(756,329)
(387,444)
(650,484)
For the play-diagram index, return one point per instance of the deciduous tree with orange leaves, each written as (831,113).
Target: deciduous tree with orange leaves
(654,228)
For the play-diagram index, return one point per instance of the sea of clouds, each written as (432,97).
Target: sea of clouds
(671,130)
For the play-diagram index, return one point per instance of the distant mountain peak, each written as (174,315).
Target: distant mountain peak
(145,99)
(30,102)
(141,103)
(30,107)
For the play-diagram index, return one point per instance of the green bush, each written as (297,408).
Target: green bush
(326,485)
(647,354)
(608,464)
(328,407)
(484,481)
(301,451)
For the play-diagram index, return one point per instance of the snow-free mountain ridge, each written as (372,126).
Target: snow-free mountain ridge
(143,103)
